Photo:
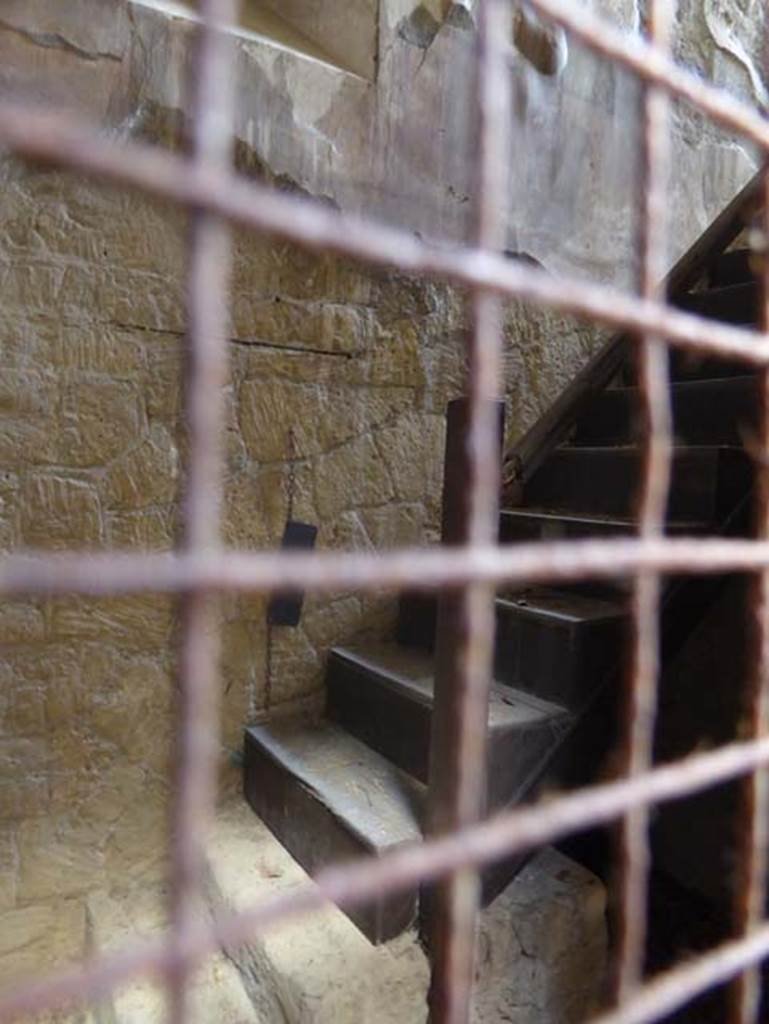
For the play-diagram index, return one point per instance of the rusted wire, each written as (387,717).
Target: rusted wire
(462,785)
(211,87)
(641,704)
(414,568)
(206,184)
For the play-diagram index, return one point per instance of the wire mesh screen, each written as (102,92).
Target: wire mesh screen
(203,181)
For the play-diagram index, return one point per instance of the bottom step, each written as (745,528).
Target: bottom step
(328,797)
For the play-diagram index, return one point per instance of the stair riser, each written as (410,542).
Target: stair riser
(398,728)
(712,413)
(731,268)
(560,662)
(315,837)
(386,720)
(737,304)
(688,366)
(520,528)
(605,482)
(553,659)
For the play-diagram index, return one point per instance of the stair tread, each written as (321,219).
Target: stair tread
(634,448)
(412,672)
(744,381)
(621,524)
(563,606)
(615,416)
(377,802)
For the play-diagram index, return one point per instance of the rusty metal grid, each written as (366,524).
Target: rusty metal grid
(202,569)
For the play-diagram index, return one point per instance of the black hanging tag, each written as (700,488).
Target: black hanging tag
(286,609)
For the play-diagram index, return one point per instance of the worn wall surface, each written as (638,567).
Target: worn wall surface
(340,375)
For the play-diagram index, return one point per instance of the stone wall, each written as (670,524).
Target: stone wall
(340,375)
(340,379)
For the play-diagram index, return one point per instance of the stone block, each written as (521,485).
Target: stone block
(123,691)
(87,345)
(351,476)
(23,795)
(271,411)
(8,869)
(84,25)
(59,512)
(320,417)
(24,790)
(147,474)
(25,444)
(164,381)
(27,394)
(324,326)
(394,526)
(242,668)
(149,529)
(122,917)
(58,859)
(136,849)
(413,449)
(42,676)
(9,502)
(21,622)
(542,946)
(328,622)
(141,622)
(296,669)
(99,419)
(22,708)
(40,937)
(256,507)
(319,969)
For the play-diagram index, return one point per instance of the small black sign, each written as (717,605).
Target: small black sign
(286,609)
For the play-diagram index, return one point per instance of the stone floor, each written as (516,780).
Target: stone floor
(542,947)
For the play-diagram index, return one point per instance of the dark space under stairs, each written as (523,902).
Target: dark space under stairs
(356,782)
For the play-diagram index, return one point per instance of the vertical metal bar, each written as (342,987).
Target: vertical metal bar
(212,94)
(751,889)
(466,665)
(655,396)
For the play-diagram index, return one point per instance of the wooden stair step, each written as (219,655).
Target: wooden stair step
(733,304)
(603,481)
(733,267)
(558,645)
(705,412)
(326,796)
(688,365)
(523,525)
(555,644)
(383,694)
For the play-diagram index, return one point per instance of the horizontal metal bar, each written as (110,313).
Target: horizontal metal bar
(413,568)
(66,142)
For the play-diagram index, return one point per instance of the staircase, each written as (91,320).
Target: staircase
(356,782)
